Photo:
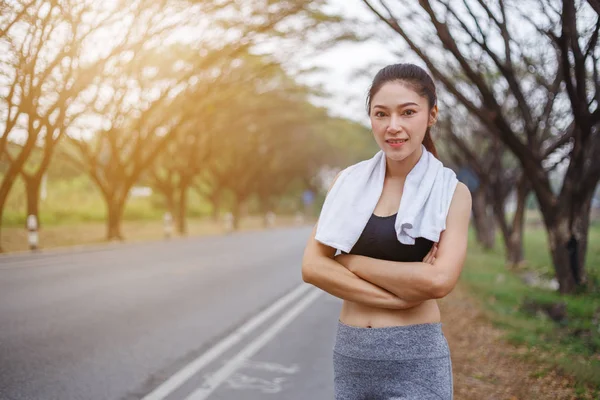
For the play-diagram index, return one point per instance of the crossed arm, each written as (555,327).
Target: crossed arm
(390,284)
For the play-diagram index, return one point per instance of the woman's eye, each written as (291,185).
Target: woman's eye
(379,114)
(409,112)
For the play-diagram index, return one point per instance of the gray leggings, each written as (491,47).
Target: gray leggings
(409,362)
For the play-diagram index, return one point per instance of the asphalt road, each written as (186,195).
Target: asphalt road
(224,317)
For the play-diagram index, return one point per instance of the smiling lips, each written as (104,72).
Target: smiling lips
(396,142)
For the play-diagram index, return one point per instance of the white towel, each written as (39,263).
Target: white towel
(423,209)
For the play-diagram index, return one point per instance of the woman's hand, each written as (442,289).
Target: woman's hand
(430,257)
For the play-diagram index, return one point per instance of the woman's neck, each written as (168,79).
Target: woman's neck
(400,169)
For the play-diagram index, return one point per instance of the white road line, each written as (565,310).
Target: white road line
(192,368)
(236,362)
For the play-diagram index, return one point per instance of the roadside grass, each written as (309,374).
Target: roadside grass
(86,233)
(78,200)
(572,345)
(74,213)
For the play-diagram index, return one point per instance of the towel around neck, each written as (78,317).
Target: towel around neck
(426,198)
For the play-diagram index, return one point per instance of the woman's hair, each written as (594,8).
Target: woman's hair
(417,79)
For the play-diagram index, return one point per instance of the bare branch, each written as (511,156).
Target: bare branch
(475,20)
(505,67)
(561,141)
(490,14)
(570,45)
(17,18)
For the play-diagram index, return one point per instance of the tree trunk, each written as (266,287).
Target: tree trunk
(116,206)
(215,198)
(265,207)
(483,222)
(237,211)
(7,184)
(505,229)
(1,216)
(169,199)
(32,185)
(182,209)
(12,173)
(514,246)
(568,239)
(512,234)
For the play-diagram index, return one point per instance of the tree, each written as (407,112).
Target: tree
(191,154)
(166,82)
(135,133)
(477,40)
(498,175)
(48,66)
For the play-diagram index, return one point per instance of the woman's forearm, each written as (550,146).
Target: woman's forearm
(338,281)
(410,281)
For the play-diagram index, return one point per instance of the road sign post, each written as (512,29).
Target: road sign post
(32,228)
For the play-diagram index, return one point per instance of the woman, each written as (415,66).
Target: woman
(389,342)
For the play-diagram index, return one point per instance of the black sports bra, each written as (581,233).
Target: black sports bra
(379,240)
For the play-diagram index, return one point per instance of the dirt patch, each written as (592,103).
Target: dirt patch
(486,367)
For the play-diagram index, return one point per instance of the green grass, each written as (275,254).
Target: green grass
(572,346)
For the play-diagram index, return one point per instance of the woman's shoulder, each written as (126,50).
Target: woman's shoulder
(461,199)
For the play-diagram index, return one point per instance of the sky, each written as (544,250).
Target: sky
(341,61)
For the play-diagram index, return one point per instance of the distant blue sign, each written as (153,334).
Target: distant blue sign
(308,197)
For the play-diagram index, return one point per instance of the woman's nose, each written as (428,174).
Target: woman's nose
(395,124)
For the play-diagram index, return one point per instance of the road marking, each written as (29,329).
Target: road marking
(271,367)
(243,382)
(240,381)
(213,382)
(175,381)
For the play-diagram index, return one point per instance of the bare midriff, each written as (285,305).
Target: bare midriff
(360,315)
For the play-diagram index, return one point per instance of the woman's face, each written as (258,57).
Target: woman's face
(399,119)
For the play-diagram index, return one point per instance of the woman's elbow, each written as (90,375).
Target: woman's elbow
(307,271)
(442,286)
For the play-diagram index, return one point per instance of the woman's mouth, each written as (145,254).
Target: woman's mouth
(395,143)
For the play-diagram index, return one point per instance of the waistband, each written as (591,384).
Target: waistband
(403,342)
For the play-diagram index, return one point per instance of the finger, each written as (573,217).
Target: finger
(427,257)
(431,251)
(433,248)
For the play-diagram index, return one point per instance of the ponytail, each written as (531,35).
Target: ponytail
(428,143)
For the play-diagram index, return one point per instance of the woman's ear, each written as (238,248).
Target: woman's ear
(433,114)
